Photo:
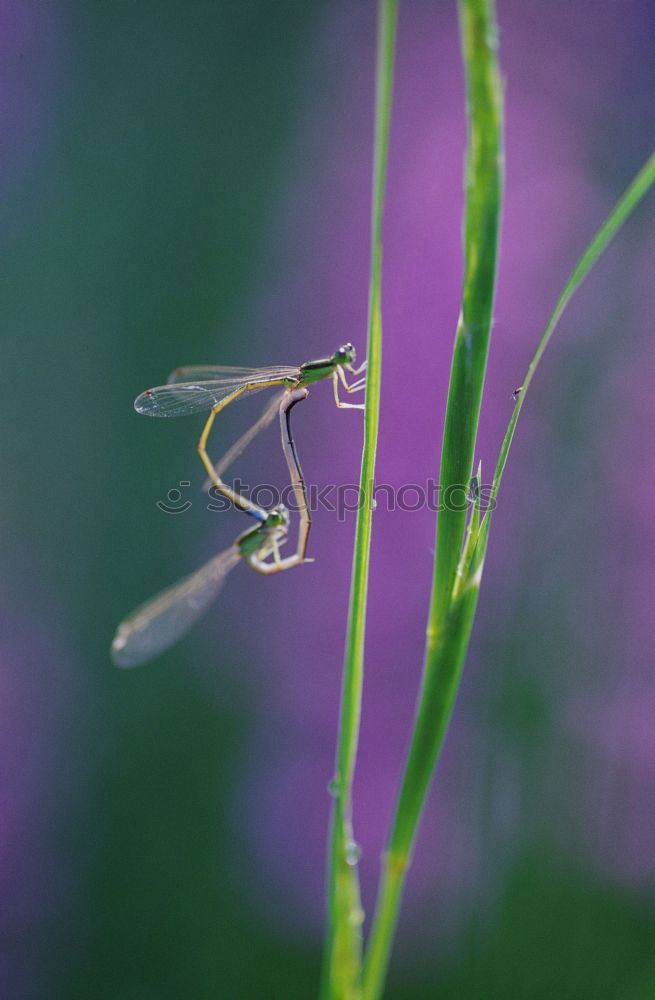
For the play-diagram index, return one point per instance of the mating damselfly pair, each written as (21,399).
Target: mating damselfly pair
(158,624)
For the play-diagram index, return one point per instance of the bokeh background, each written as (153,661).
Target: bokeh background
(190,183)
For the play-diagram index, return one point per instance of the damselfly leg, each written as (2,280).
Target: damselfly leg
(289,400)
(239,501)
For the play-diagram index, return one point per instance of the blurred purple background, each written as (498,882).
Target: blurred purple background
(170,175)
(561,69)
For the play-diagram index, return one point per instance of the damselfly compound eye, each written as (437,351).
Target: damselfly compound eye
(346,354)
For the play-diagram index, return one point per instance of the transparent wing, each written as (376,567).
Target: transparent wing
(208,373)
(177,399)
(164,619)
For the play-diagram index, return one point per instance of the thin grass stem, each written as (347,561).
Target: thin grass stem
(343,952)
(614,221)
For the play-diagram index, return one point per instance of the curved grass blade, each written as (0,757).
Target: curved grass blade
(450,620)
(483,186)
(610,227)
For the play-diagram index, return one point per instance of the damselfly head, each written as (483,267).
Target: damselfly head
(345,355)
(277,517)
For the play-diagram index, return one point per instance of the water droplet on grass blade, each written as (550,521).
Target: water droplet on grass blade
(353,852)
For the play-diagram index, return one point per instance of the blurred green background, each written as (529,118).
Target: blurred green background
(152,153)
(133,232)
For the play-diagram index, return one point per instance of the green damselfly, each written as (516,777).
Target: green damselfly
(167,617)
(193,389)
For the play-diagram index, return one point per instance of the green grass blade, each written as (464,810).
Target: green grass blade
(448,643)
(483,198)
(436,702)
(342,964)
(617,217)
(451,617)
(471,542)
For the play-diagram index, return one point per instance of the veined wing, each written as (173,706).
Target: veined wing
(161,621)
(208,373)
(177,399)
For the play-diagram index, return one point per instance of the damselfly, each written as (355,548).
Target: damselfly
(158,624)
(161,621)
(193,389)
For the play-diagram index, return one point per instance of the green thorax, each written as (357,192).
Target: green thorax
(251,541)
(314,371)
(272,529)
